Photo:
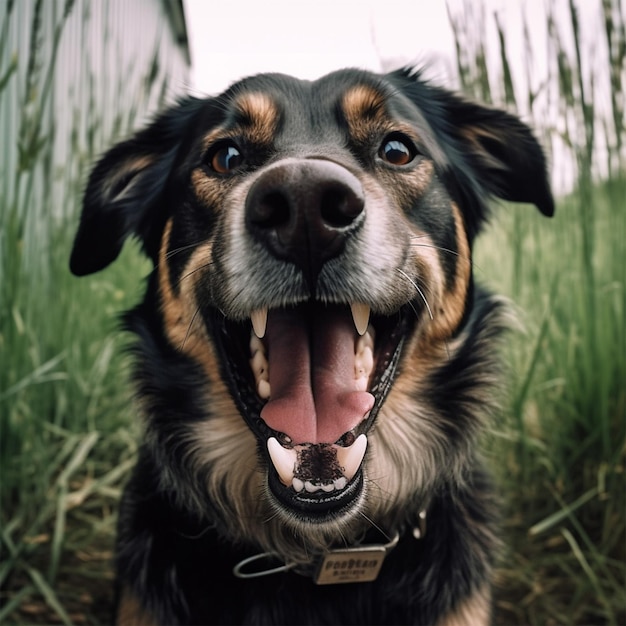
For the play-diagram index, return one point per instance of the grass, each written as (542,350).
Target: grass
(67,439)
(558,452)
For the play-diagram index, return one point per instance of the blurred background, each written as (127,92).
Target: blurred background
(77,75)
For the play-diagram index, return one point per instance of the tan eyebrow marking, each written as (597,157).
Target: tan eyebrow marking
(364,108)
(259,114)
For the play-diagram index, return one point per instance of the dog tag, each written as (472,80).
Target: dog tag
(351,565)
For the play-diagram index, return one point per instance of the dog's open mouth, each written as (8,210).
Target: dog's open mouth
(309,380)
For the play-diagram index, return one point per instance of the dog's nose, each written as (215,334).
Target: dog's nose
(304,211)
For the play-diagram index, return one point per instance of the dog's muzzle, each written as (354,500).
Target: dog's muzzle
(318,380)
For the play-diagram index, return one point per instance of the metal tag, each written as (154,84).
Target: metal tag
(352,565)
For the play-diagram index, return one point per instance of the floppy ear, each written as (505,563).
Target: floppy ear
(503,152)
(125,189)
(487,150)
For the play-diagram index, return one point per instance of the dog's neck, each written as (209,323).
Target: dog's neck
(359,563)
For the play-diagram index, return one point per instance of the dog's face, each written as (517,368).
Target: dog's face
(312,249)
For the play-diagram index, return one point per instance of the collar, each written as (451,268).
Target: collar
(361,563)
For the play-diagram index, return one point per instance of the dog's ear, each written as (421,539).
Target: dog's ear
(503,152)
(488,148)
(125,188)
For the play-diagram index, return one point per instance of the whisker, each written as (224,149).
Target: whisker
(274,515)
(383,494)
(193,271)
(374,525)
(419,291)
(175,251)
(434,247)
(193,319)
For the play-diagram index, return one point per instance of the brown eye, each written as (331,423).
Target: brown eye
(397,151)
(226,158)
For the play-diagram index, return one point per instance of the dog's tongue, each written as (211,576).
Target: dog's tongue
(311,366)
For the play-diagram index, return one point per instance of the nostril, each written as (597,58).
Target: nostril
(339,207)
(305,211)
(270,211)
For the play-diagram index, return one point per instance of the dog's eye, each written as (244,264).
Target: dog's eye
(225,158)
(397,151)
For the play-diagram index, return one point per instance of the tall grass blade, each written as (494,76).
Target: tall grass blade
(49,595)
(580,557)
(562,514)
(15,602)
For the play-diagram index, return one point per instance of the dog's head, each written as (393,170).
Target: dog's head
(312,250)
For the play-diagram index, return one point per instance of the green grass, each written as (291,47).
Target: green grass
(67,422)
(558,450)
(66,434)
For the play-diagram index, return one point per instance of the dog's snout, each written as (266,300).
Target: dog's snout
(303,211)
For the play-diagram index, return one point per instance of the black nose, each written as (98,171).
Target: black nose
(304,211)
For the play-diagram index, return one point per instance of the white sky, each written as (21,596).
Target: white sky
(308,38)
(230,39)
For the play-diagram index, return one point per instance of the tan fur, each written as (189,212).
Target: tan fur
(395,470)
(258,119)
(130,166)
(185,333)
(361,102)
(364,110)
(449,311)
(131,613)
(473,135)
(260,115)
(473,611)
(208,190)
(416,182)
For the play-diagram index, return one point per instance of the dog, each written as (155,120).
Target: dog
(314,361)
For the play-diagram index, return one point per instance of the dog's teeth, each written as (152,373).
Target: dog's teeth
(256,345)
(364,359)
(340,483)
(283,460)
(263,389)
(350,458)
(361,316)
(259,322)
(363,363)
(259,365)
(365,341)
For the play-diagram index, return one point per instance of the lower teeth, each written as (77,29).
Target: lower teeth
(285,462)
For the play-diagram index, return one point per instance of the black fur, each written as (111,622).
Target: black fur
(205,493)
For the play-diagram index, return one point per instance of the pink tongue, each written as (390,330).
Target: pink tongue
(311,365)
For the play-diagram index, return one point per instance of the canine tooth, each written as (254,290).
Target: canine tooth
(340,483)
(283,460)
(361,316)
(297,484)
(263,389)
(259,322)
(350,458)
